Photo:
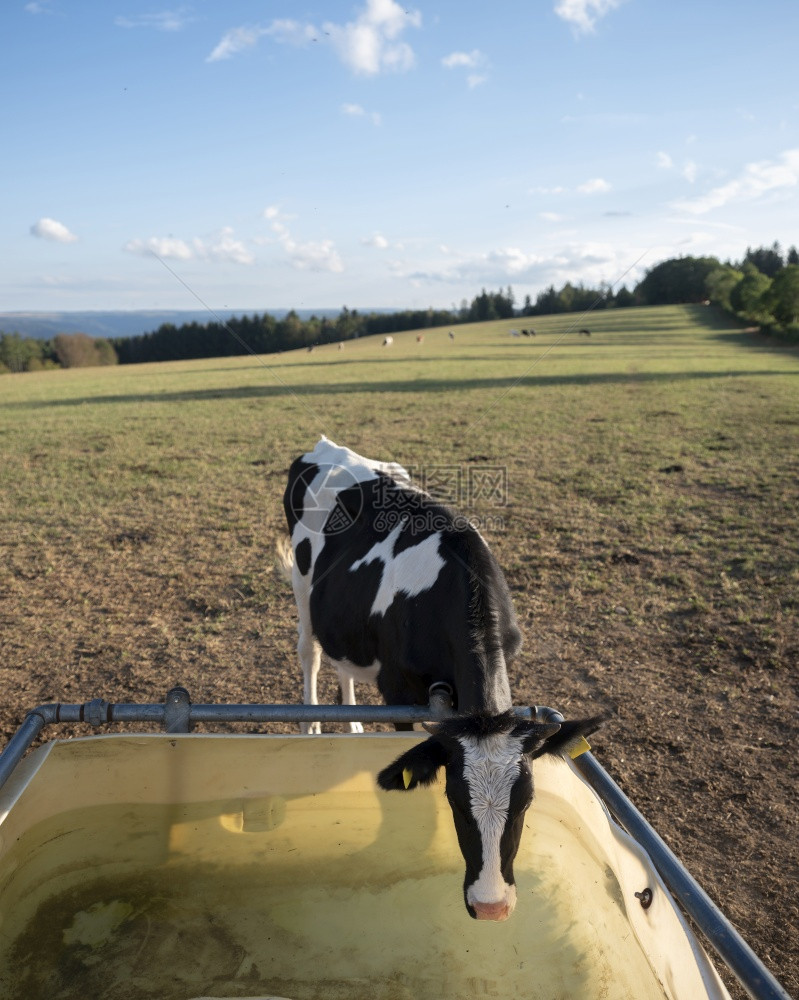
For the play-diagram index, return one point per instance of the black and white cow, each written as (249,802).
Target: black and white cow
(398,590)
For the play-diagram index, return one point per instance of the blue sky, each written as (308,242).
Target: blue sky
(256,155)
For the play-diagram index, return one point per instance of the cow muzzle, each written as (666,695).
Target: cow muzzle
(492,911)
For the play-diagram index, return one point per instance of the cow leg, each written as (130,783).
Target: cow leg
(310,653)
(347,686)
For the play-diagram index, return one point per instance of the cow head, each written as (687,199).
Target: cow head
(489,785)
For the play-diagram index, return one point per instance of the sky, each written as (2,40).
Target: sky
(258,154)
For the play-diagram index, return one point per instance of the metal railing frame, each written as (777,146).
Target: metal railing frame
(177,714)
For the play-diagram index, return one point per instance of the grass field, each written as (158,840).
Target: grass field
(640,488)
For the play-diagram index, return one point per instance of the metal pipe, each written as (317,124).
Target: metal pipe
(310,713)
(730,946)
(18,744)
(98,712)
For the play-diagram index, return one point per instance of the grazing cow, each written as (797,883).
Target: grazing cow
(585,333)
(419,338)
(341,346)
(398,590)
(451,335)
(515,333)
(388,341)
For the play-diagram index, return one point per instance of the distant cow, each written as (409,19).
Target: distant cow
(341,346)
(585,333)
(419,338)
(515,333)
(451,335)
(397,590)
(388,341)
(528,333)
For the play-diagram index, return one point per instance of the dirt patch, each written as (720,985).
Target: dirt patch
(706,751)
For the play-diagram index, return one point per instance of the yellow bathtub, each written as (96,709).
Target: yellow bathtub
(176,867)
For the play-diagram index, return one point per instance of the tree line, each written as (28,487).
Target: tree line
(66,350)
(762,288)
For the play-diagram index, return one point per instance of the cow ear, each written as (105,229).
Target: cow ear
(567,737)
(535,734)
(417,766)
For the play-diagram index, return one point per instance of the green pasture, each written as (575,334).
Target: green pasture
(573,418)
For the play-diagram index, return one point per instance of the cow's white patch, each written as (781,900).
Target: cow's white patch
(411,572)
(491,766)
(352,672)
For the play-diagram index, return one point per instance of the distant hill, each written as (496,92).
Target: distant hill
(44,325)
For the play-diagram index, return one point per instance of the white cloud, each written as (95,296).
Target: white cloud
(234,41)
(160,246)
(371,43)
(224,247)
(584,14)
(356,111)
(50,229)
(220,247)
(472,60)
(588,262)
(246,37)
(689,171)
(508,263)
(368,45)
(594,186)
(756,180)
(289,32)
(377,240)
(309,256)
(550,217)
(164,20)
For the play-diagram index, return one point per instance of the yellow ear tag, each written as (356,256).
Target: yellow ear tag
(407,776)
(579,747)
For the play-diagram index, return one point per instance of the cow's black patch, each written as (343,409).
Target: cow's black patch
(301,475)
(302,554)
(478,725)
